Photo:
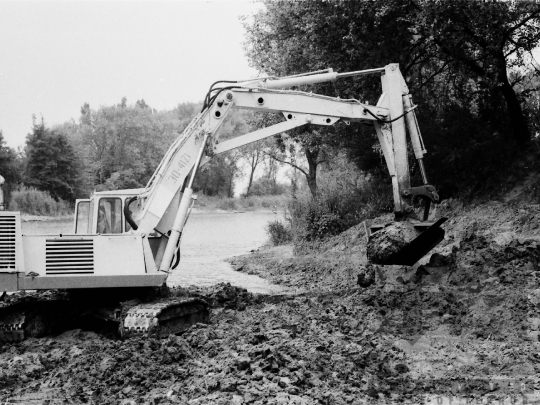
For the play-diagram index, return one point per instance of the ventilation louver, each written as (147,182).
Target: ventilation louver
(69,256)
(7,241)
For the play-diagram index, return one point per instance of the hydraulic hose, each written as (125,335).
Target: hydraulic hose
(127,214)
(389,121)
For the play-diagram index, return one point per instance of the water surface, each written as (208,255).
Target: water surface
(211,237)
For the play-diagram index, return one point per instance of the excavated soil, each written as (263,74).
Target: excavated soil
(461,325)
(387,242)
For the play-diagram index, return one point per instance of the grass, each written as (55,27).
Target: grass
(251,203)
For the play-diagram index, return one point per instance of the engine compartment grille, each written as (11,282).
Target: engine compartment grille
(7,241)
(69,256)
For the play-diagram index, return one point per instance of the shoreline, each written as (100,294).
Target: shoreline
(31,217)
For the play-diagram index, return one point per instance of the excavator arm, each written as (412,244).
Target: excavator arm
(166,199)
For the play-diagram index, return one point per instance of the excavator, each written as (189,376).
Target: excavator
(128,240)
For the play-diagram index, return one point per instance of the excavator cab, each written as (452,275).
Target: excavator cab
(104,212)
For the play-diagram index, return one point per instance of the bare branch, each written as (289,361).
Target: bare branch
(286,162)
(533,58)
(431,77)
(522,23)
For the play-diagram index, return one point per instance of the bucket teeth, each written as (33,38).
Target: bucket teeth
(12,327)
(11,332)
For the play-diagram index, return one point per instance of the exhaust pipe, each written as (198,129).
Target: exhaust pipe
(2,205)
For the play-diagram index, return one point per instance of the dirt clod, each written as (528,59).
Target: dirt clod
(385,243)
(366,276)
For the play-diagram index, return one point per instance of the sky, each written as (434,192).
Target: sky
(57,55)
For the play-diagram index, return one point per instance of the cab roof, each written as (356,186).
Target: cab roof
(128,191)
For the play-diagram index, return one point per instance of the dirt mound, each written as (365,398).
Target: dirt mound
(469,311)
(224,295)
(21,297)
(297,350)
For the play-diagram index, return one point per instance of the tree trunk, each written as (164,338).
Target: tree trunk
(520,128)
(230,189)
(253,165)
(311,176)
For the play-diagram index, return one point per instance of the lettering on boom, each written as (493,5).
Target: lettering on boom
(183,161)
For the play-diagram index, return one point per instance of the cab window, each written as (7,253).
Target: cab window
(109,215)
(83,217)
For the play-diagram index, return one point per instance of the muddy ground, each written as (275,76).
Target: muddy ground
(461,326)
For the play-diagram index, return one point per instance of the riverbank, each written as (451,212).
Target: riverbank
(251,203)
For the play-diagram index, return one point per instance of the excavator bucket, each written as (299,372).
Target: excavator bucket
(391,249)
(420,246)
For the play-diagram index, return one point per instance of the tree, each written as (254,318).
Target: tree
(219,176)
(11,167)
(488,41)
(124,144)
(294,37)
(307,140)
(52,165)
(253,154)
(461,60)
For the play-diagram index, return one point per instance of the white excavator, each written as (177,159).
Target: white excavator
(129,239)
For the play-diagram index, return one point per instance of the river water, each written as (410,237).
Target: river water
(208,239)
(211,237)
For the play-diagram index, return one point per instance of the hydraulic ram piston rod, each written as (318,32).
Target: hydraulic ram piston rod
(287,82)
(181,215)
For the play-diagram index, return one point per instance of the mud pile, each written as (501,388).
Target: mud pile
(298,350)
(224,295)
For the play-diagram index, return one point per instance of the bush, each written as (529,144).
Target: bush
(279,232)
(338,206)
(32,201)
(227,204)
(250,203)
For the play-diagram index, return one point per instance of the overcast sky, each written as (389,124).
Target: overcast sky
(55,55)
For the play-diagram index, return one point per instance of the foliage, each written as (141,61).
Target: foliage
(251,203)
(484,42)
(219,176)
(124,144)
(52,164)
(346,197)
(36,202)
(11,168)
(267,186)
(120,146)
(465,57)
(279,232)
(253,154)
